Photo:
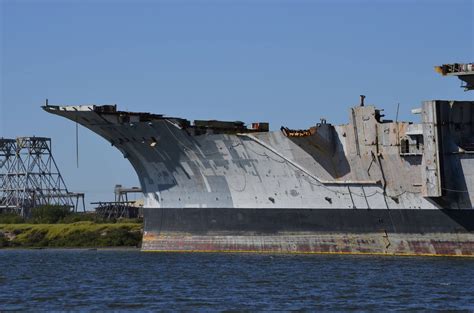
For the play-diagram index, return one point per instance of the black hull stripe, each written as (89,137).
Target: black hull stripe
(201,221)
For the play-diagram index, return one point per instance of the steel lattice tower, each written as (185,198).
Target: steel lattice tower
(29,176)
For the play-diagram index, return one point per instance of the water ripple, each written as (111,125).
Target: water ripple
(88,280)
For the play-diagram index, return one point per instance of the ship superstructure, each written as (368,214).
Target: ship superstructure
(369,186)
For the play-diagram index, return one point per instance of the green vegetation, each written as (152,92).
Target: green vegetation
(56,226)
(80,234)
(11,218)
(50,214)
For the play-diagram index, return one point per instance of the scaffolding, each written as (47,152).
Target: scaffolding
(29,177)
(119,209)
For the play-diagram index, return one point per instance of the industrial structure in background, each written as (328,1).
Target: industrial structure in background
(121,207)
(29,177)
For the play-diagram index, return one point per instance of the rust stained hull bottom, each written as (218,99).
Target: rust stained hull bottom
(339,231)
(370,243)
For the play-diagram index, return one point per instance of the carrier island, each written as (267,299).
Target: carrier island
(371,186)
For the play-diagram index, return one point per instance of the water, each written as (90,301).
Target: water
(130,280)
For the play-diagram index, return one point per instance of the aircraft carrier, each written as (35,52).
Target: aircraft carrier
(371,186)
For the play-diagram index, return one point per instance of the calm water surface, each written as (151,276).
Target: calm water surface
(45,280)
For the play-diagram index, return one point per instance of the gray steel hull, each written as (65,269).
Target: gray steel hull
(369,186)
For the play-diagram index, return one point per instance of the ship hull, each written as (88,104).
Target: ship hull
(379,231)
(369,186)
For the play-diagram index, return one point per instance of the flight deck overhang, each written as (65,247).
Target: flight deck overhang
(110,114)
(464,71)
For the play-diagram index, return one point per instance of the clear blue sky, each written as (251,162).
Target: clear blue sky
(286,62)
